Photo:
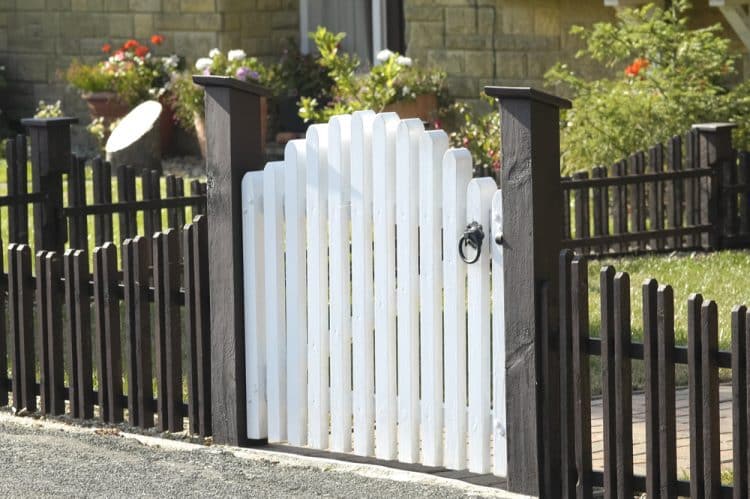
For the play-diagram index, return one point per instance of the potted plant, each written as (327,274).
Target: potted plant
(188,97)
(396,83)
(128,76)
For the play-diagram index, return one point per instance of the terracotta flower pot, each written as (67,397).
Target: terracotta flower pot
(166,125)
(105,105)
(424,107)
(200,132)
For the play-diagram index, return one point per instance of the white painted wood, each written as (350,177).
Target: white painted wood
(339,136)
(384,217)
(478,208)
(457,168)
(362,283)
(407,286)
(500,438)
(273,240)
(255,304)
(432,147)
(318,340)
(295,188)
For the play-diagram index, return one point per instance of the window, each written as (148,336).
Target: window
(370,25)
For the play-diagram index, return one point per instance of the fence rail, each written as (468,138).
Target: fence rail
(617,350)
(105,326)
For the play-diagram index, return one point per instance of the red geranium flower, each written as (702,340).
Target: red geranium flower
(106,48)
(634,69)
(141,51)
(130,44)
(157,39)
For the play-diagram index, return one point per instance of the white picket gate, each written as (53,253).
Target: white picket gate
(365,332)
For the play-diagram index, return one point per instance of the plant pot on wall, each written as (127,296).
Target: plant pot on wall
(105,105)
(424,107)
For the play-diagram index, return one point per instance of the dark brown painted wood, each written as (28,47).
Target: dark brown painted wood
(743,180)
(651,372)
(600,217)
(4,351)
(656,195)
(532,245)
(22,299)
(14,319)
(568,474)
(82,304)
(617,205)
(42,331)
(202,325)
(78,225)
(640,200)
(623,385)
(173,328)
(581,377)
(609,405)
(102,189)
(692,196)
(49,337)
(233,114)
(551,398)
(674,193)
(160,349)
(666,382)
(695,385)
(739,402)
(710,401)
(746,443)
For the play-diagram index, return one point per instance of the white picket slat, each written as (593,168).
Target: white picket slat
(478,209)
(500,466)
(273,222)
(432,147)
(318,340)
(255,304)
(339,136)
(407,286)
(457,168)
(296,290)
(362,283)
(384,219)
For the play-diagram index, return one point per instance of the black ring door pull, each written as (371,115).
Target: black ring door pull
(473,237)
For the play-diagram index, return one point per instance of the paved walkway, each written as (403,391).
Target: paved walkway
(683,440)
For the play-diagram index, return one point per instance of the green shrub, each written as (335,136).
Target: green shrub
(669,77)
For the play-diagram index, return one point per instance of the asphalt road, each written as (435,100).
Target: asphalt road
(42,459)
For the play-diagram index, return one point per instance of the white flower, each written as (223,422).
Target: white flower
(203,63)
(404,61)
(172,61)
(236,55)
(213,53)
(384,55)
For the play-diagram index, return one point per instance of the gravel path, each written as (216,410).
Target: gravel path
(48,459)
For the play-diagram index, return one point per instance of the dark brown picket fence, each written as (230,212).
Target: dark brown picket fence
(617,351)
(61,206)
(683,196)
(106,326)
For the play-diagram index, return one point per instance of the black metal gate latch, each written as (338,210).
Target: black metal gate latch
(472,238)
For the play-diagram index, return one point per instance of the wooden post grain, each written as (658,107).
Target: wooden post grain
(532,241)
(50,158)
(233,128)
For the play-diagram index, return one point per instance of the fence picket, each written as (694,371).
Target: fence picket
(499,418)
(743,179)
(4,351)
(675,193)
(609,400)
(339,186)
(457,167)
(273,252)
(656,195)
(568,471)
(318,339)
(478,208)
(384,218)
(582,382)
(79,335)
(21,320)
(407,286)
(362,283)
(695,386)
(623,385)
(255,305)
(739,402)
(666,380)
(107,310)
(296,290)
(125,193)
(710,401)
(432,147)
(51,338)
(651,370)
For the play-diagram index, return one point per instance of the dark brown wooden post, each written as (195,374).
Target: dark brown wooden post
(531,241)
(715,146)
(233,135)
(50,158)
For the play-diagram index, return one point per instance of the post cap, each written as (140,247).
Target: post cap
(229,82)
(48,122)
(527,93)
(713,127)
